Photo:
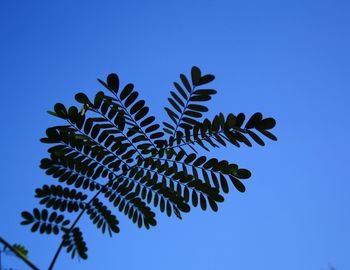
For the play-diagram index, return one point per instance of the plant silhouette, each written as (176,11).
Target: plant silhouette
(112,155)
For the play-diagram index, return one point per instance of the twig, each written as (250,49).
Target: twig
(23,258)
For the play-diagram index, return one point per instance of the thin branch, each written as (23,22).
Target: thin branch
(23,258)
(73,225)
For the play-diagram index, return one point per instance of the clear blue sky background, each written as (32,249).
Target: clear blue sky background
(287,59)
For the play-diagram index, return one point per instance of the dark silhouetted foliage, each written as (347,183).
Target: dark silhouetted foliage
(112,155)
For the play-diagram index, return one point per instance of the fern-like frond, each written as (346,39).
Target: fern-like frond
(209,171)
(186,104)
(75,244)
(152,185)
(121,195)
(111,155)
(67,172)
(60,198)
(180,181)
(102,217)
(135,112)
(44,222)
(87,155)
(223,131)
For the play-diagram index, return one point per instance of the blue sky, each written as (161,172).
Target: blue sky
(287,59)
